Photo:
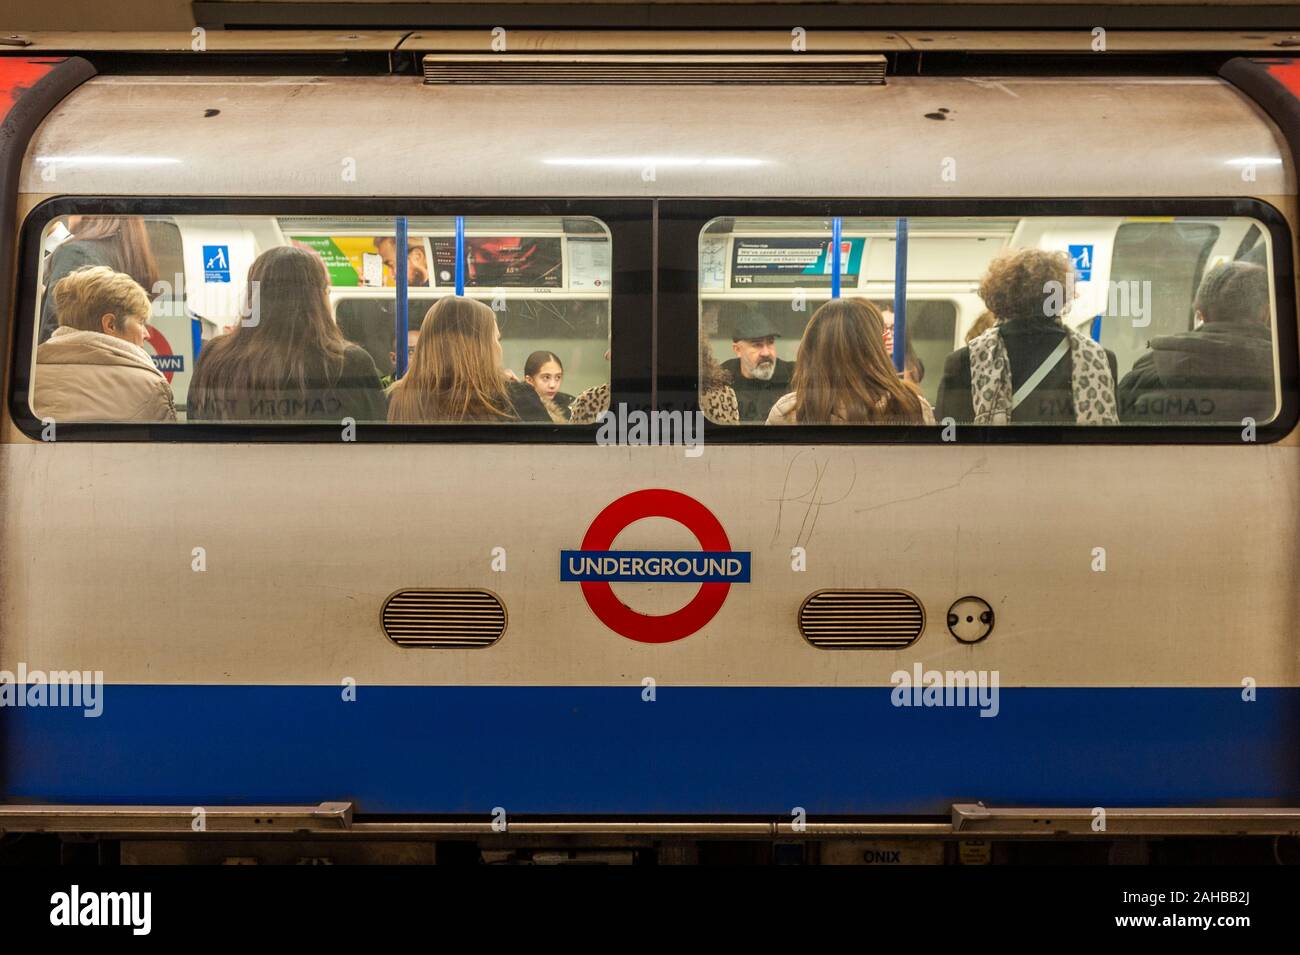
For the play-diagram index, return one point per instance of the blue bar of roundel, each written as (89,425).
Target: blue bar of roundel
(740,577)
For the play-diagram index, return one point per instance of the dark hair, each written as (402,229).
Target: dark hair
(289,343)
(1021,284)
(539,358)
(1234,292)
(129,242)
(912,361)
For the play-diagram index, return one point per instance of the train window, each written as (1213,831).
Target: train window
(263,319)
(1039,320)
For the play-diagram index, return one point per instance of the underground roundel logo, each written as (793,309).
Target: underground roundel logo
(715,567)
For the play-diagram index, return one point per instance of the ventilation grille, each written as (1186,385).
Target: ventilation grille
(655,69)
(861,619)
(444,619)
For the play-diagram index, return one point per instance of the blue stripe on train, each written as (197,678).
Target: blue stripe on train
(694,750)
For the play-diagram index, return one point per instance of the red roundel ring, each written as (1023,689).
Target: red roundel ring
(622,619)
(161,346)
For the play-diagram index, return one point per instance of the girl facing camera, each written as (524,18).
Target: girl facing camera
(544,373)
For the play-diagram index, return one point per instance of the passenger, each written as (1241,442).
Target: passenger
(94,367)
(757,375)
(119,243)
(457,375)
(288,361)
(982,324)
(717,397)
(412,338)
(913,367)
(1220,371)
(543,372)
(1029,367)
(843,374)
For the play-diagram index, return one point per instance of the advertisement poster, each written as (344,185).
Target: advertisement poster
(790,263)
(359,261)
(502,261)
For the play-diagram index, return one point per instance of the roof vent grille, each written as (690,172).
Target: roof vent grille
(677,69)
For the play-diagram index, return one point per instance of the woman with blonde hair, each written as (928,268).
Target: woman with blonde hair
(94,367)
(843,374)
(456,374)
(120,243)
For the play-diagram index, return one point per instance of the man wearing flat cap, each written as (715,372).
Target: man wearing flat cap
(757,375)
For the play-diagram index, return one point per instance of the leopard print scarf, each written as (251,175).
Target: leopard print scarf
(1091,386)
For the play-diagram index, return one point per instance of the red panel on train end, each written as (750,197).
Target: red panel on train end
(1288,74)
(18,75)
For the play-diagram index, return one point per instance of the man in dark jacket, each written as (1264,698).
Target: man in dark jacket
(1220,372)
(758,377)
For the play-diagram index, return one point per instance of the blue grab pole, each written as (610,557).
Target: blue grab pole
(837,229)
(900,294)
(403,298)
(460,255)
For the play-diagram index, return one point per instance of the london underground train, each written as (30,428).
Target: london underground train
(628,637)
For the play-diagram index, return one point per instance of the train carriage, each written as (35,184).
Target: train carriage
(362,629)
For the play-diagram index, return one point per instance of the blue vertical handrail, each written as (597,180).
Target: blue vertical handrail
(460,255)
(403,303)
(900,294)
(837,230)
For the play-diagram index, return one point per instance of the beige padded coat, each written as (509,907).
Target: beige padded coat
(89,376)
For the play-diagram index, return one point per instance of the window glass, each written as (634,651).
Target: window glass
(1041,320)
(283,320)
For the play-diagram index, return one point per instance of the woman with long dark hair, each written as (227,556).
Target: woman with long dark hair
(287,359)
(456,374)
(843,374)
(117,242)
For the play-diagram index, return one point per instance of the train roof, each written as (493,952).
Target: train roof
(523,39)
(1016,136)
